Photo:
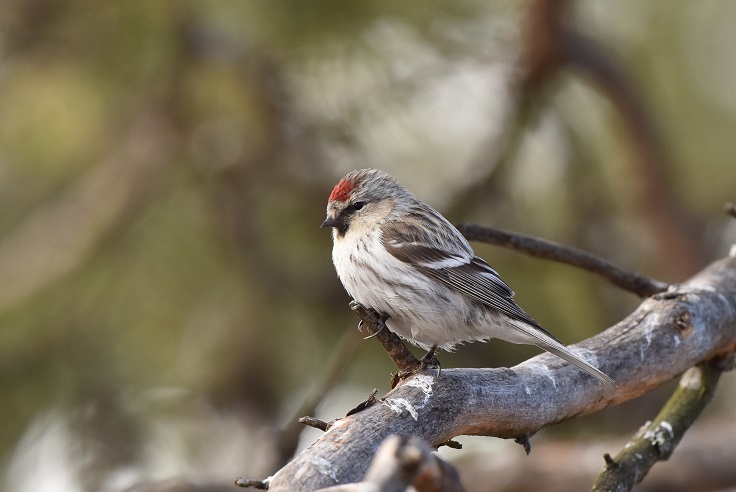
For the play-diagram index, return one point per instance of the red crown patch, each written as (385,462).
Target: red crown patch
(342,191)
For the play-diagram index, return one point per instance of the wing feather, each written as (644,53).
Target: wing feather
(453,262)
(459,269)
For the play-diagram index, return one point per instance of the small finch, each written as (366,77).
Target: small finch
(400,257)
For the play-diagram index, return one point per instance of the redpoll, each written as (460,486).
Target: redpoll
(400,257)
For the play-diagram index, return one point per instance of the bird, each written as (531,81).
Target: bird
(398,256)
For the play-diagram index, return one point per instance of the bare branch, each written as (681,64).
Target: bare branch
(252,484)
(542,248)
(371,400)
(314,422)
(664,337)
(657,440)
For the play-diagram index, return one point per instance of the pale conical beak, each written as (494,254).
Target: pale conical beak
(332,221)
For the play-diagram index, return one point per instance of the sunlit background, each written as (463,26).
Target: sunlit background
(168,304)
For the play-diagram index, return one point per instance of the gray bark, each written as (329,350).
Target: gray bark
(665,336)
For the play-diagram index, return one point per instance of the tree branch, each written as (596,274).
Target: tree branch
(664,337)
(402,462)
(542,248)
(656,441)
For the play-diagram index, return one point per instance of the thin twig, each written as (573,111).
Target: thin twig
(453,444)
(657,440)
(525,442)
(314,422)
(251,484)
(368,402)
(542,248)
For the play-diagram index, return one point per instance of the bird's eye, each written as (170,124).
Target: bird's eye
(358,205)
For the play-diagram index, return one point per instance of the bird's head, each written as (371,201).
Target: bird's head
(361,200)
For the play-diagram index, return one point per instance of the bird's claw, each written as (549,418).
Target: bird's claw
(419,365)
(380,319)
(380,329)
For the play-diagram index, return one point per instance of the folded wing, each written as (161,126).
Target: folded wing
(454,264)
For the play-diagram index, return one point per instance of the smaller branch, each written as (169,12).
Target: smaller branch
(368,402)
(314,422)
(730,209)
(401,463)
(542,248)
(656,440)
(325,426)
(525,442)
(252,484)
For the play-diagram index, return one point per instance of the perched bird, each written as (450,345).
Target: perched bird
(400,257)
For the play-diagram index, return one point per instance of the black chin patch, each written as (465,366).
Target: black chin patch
(342,228)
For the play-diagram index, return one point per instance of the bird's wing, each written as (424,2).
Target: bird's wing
(451,261)
(459,269)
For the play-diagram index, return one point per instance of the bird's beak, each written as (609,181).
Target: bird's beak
(332,221)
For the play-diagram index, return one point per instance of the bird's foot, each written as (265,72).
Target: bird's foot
(429,361)
(381,326)
(379,319)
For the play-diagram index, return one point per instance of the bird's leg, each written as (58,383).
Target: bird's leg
(430,354)
(429,360)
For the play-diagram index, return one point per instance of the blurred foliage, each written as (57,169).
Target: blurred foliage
(167,296)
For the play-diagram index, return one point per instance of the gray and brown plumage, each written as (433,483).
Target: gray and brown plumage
(397,255)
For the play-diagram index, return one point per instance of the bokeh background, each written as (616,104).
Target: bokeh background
(167,300)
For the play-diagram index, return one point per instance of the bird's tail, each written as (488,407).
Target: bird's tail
(561,351)
(532,333)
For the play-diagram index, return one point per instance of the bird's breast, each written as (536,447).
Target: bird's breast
(419,308)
